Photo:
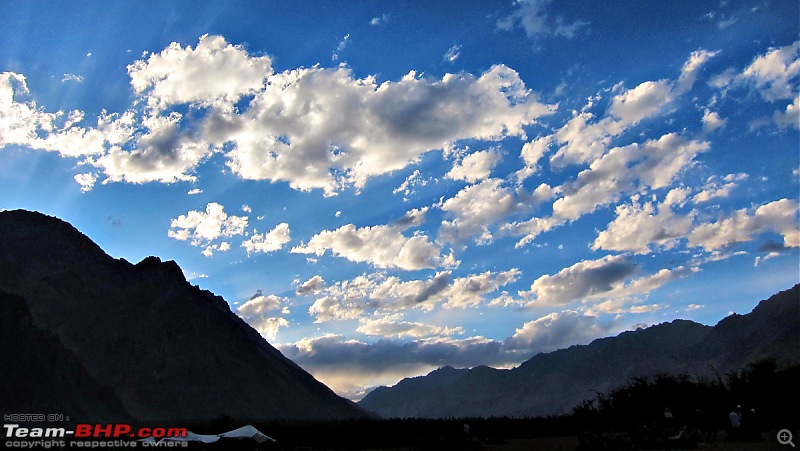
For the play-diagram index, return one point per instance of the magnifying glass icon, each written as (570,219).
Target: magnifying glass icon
(785,437)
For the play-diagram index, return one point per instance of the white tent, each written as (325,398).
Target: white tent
(243,432)
(248,432)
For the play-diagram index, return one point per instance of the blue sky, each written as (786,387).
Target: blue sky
(384,188)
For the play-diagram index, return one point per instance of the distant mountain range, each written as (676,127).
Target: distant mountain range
(555,382)
(101,339)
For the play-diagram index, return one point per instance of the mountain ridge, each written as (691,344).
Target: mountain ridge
(555,382)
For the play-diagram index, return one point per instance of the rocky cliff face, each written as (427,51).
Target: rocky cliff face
(163,348)
(555,382)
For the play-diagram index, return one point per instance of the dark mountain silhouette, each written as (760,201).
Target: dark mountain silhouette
(555,382)
(104,336)
(39,374)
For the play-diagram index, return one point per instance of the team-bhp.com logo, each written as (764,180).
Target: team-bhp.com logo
(90,431)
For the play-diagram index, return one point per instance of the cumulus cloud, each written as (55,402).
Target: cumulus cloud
(312,286)
(381,246)
(623,170)
(772,74)
(268,242)
(203,228)
(475,166)
(584,138)
(260,312)
(712,121)
(412,218)
(351,299)
(164,152)
(608,278)
(779,216)
(392,326)
(23,122)
(86,181)
(718,187)
(583,279)
(790,117)
(474,209)
(557,331)
(638,227)
(212,72)
(358,128)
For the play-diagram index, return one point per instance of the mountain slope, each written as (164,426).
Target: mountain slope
(554,382)
(41,375)
(166,349)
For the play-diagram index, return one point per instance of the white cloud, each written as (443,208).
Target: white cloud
(412,181)
(381,246)
(452,53)
(360,129)
(342,45)
(194,191)
(25,123)
(474,209)
(779,216)
(557,331)
(712,121)
(714,188)
(584,138)
(213,72)
(605,279)
(313,285)
(638,227)
(268,242)
(531,153)
(379,20)
(164,153)
(769,256)
(355,298)
(475,166)
(86,181)
(392,326)
(772,73)
(260,312)
(623,306)
(209,249)
(790,117)
(412,218)
(623,170)
(583,279)
(72,77)
(470,291)
(202,228)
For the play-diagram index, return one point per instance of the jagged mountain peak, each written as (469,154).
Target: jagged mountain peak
(166,349)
